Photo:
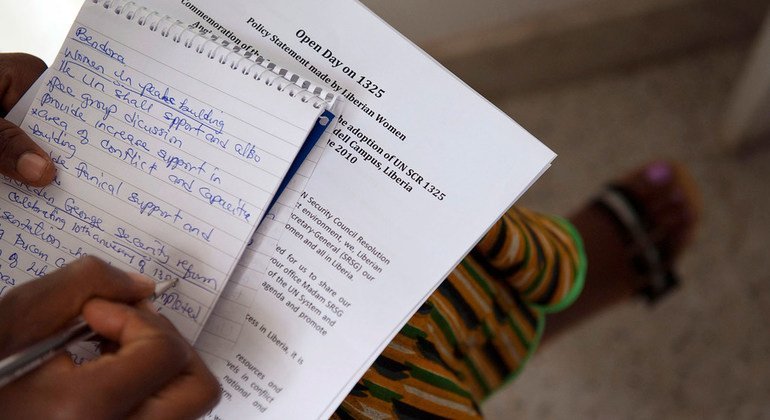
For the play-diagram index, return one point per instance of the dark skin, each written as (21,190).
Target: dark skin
(671,216)
(20,157)
(151,372)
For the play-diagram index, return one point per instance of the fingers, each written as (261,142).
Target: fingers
(190,395)
(20,157)
(154,371)
(17,73)
(51,302)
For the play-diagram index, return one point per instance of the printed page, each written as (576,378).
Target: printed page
(417,169)
(166,160)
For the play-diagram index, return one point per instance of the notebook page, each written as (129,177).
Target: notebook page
(224,326)
(166,160)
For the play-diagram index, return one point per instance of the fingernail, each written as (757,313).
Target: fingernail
(142,280)
(659,173)
(32,166)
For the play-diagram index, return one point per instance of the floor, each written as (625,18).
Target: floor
(704,352)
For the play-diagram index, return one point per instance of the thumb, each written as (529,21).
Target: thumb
(20,158)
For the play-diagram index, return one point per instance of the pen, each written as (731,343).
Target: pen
(19,364)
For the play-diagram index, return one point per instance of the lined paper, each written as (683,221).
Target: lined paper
(228,317)
(166,161)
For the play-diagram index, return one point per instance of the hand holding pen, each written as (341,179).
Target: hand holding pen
(153,373)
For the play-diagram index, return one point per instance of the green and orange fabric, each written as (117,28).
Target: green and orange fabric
(479,328)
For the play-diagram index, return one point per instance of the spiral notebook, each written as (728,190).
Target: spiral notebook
(169,145)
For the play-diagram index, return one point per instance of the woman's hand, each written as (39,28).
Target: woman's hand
(153,372)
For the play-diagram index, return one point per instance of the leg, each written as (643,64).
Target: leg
(486,319)
(670,213)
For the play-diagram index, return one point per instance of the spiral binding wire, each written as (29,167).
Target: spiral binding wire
(222,50)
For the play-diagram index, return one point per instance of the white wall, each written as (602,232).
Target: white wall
(36,26)
(746,119)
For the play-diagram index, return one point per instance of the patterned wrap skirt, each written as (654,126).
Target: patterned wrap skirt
(479,328)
